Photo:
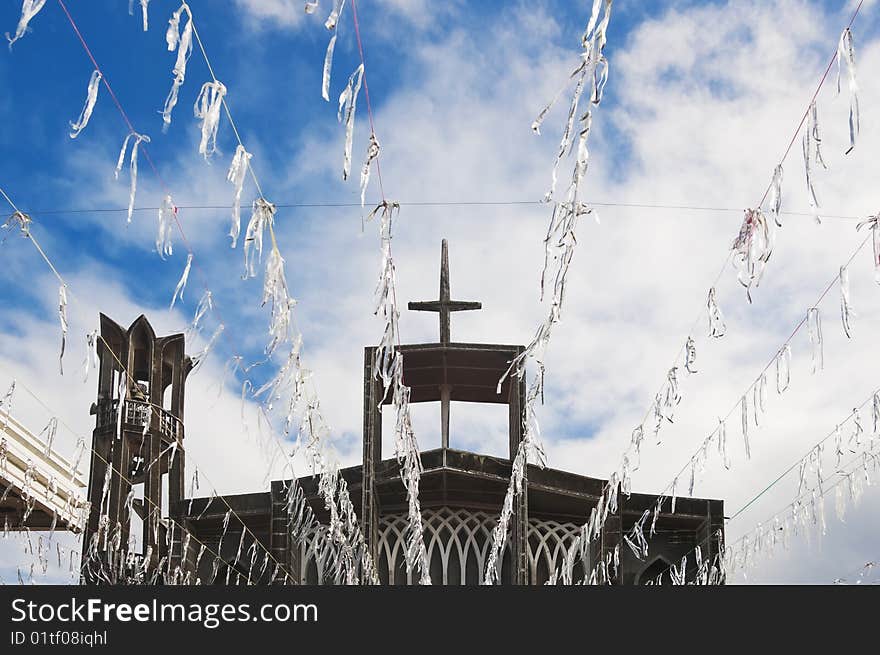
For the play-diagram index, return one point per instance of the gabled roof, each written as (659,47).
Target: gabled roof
(54,490)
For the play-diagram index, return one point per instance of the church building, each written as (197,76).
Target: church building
(461,492)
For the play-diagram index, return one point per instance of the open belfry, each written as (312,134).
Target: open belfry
(138,441)
(139,430)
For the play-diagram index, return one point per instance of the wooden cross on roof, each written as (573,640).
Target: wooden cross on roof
(445,305)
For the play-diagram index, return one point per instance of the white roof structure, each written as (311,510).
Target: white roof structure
(33,475)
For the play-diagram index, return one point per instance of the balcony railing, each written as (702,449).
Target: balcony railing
(136,414)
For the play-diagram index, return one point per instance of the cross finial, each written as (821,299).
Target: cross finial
(445,305)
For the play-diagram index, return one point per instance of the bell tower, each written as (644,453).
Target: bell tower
(137,467)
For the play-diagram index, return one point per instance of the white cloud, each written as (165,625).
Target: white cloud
(274,13)
(384,14)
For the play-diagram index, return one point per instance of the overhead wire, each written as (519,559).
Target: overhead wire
(433,203)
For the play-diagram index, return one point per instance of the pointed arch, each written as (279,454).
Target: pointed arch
(654,567)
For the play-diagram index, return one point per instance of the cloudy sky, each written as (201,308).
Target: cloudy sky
(702,100)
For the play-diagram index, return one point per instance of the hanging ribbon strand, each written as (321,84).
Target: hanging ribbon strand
(21,220)
(372,154)
(347,106)
(144,4)
(332,24)
(812,155)
(333,19)
(672,395)
(167,213)
(783,369)
(144,17)
(776,195)
(262,216)
(560,240)
(846,312)
(86,113)
(29,9)
(814,325)
(536,124)
(206,303)
(182,42)
(236,174)
(181,284)
(846,53)
(133,166)
(62,316)
(207,108)
(592,70)
(752,249)
(281,304)
(717,327)
(328,65)
(91,358)
(721,431)
(690,358)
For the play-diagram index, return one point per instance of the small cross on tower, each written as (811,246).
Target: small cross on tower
(444,306)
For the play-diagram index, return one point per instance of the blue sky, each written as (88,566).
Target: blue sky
(701,100)
(271,69)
